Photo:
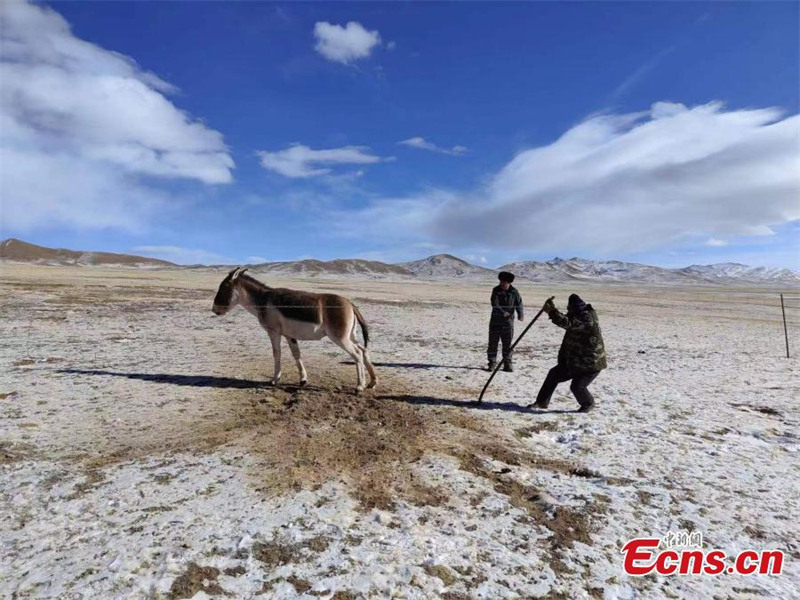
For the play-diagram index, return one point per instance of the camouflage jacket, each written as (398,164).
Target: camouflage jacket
(582,350)
(506,301)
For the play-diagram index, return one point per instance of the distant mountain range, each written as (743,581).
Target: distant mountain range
(351,266)
(572,269)
(437,267)
(17,250)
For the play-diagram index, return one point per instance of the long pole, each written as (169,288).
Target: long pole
(497,368)
(785,332)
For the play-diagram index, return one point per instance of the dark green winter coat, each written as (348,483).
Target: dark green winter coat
(582,350)
(506,301)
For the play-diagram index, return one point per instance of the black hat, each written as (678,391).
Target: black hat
(575,303)
(506,276)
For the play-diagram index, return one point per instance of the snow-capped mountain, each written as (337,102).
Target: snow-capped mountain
(352,266)
(447,266)
(736,271)
(560,269)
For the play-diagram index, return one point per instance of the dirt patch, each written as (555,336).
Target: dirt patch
(526,432)
(276,553)
(645,497)
(372,441)
(764,410)
(301,586)
(11,453)
(92,478)
(196,579)
(443,573)
(314,434)
(567,525)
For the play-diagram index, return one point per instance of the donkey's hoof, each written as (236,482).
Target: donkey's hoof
(274,382)
(303,382)
(372,384)
(359,390)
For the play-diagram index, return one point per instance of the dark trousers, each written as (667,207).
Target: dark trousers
(559,374)
(501,329)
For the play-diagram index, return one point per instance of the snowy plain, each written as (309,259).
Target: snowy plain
(143,454)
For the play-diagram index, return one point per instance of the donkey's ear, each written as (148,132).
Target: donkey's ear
(231,274)
(241,272)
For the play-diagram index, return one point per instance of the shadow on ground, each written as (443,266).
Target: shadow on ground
(504,406)
(184,380)
(231,382)
(389,365)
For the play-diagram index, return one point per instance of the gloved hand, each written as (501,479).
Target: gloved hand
(549,306)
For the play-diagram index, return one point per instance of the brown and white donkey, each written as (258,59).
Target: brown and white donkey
(298,315)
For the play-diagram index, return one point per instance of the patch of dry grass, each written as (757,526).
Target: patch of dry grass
(195,579)
(12,452)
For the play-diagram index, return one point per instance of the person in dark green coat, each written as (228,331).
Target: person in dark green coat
(506,301)
(582,354)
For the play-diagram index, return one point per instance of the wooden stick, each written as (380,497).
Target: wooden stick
(497,368)
(785,332)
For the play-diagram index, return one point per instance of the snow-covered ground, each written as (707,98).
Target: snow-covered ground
(144,456)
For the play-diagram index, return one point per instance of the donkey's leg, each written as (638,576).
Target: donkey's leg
(275,338)
(295,348)
(373,378)
(354,351)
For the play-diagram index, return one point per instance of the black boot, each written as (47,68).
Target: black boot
(492,364)
(507,367)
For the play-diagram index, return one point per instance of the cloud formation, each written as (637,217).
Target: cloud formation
(345,44)
(184,256)
(623,183)
(423,144)
(95,123)
(299,161)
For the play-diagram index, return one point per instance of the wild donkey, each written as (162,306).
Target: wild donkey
(296,316)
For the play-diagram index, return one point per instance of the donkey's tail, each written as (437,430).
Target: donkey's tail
(363,323)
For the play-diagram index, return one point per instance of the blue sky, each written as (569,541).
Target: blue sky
(664,133)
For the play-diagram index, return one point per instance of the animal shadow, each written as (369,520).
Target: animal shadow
(182,380)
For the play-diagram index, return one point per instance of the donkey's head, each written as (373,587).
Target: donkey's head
(228,293)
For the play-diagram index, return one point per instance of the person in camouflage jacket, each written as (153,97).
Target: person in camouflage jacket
(582,354)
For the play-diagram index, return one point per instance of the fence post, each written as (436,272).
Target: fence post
(785,333)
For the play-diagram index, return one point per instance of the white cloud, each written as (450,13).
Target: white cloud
(94,123)
(423,144)
(184,256)
(622,183)
(716,242)
(299,161)
(639,73)
(430,246)
(256,260)
(344,44)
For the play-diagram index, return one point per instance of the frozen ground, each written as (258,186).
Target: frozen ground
(144,456)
